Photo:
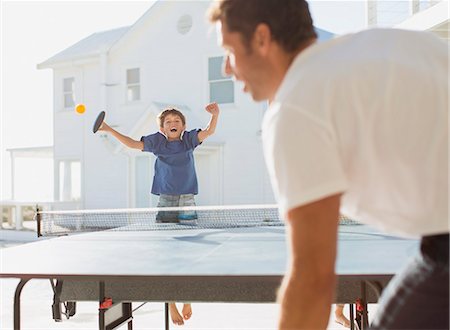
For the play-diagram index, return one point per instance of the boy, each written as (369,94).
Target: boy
(175,180)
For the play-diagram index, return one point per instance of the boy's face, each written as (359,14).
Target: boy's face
(172,127)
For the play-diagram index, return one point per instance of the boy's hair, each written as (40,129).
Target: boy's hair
(170,111)
(289,21)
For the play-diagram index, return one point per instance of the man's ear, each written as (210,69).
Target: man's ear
(262,38)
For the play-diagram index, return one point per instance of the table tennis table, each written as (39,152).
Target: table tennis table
(192,263)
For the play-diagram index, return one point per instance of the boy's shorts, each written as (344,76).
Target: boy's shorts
(175,201)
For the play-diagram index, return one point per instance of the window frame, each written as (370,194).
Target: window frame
(69,92)
(222,79)
(132,85)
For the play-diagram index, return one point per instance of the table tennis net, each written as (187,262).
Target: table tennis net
(56,223)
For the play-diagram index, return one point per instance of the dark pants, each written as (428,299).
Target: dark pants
(418,297)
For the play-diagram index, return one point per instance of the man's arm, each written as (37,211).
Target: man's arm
(129,142)
(213,109)
(307,291)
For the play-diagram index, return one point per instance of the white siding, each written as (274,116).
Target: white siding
(173,69)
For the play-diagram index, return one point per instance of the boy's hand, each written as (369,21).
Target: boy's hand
(104,127)
(212,108)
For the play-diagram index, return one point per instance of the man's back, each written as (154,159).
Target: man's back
(380,98)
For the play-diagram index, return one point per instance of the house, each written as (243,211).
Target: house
(169,57)
(423,15)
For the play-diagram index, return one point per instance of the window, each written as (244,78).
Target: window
(68,92)
(184,24)
(221,88)
(133,85)
(69,181)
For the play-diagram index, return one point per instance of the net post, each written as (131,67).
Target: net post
(37,217)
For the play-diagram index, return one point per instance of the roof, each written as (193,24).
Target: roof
(100,42)
(434,19)
(32,152)
(88,47)
(323,35)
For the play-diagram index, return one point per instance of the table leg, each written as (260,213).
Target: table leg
(365,315)
(17,303)
(352,317)
(166,315)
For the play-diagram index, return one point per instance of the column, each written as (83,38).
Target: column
(414,7)
(371,13)
(67,182)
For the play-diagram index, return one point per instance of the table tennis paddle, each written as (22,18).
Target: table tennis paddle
(99,121)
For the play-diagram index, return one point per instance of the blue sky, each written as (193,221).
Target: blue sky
(33,31)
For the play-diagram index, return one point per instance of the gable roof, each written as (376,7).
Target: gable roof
(93,45)
(99,42)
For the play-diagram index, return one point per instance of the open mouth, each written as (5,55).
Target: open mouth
(173,130)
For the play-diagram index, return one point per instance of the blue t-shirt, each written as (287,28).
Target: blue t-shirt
(174,166)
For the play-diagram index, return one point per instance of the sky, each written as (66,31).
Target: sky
(33,31)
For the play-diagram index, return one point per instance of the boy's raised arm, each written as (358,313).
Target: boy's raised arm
(126,140)
(213,109)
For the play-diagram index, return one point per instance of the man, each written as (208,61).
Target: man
(357,124)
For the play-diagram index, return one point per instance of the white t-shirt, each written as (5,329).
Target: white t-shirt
(366,115)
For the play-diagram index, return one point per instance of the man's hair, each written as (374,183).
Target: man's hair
(289,21)
(170,111)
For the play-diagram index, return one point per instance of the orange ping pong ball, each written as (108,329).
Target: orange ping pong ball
(80,108)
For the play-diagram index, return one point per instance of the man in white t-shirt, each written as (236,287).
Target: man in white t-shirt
(357,124)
